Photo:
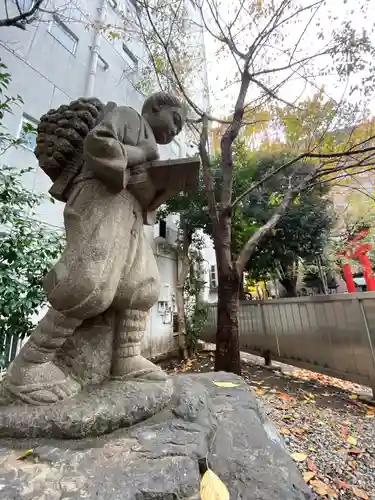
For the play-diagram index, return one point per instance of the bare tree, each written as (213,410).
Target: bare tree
(21,17)
(262,49)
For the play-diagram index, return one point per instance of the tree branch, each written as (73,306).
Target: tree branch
(23,18)
(256,238)
(207,177)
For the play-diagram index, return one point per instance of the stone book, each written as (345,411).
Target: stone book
(155,182)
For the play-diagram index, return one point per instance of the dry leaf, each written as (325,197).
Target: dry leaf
(299,430)
(212,488)
(285,431)
(299,457)
(360,493)
(260,392)
(282,395)
(26,454)
(352,440)
(370,412)
(353,396)
(312,449)
(355,451)
(311,465)
(225,384)
(322,489)
(341,485)
(307,476)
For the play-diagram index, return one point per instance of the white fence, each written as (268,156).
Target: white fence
(332,334)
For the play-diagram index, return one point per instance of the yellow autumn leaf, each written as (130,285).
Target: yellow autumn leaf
(370,412)
(284,431)
(26,454)
(225,384)
(212,488)
(353,396)
(322,489)
(308,475)
(352,440)
(299,457)
(260,392)
(360,493)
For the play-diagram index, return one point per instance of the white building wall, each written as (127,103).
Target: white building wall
(209,266)
(47,75)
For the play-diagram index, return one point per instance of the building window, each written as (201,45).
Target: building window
(130,59)
(25,5)
(28,132)
(63,35)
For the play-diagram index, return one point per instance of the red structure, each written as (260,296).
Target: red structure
(358,250)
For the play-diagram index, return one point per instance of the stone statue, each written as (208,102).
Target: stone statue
(106,281)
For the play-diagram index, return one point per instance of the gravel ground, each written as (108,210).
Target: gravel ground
(329,432)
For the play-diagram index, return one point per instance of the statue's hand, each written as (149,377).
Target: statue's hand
(150,149)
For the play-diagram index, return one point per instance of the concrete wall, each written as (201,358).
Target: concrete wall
(47,74)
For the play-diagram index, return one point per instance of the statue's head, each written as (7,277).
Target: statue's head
(166,116)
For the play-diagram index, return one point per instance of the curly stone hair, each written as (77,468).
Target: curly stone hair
(164,99)
(61,133)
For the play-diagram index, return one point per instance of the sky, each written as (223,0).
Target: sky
(222,67)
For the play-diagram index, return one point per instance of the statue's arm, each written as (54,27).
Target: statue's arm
(105,152)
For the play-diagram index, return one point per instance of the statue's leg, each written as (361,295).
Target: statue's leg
(33,376)
(137,293)
(127,362)
(81,285)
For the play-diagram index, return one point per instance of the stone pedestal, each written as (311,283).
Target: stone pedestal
(154,459)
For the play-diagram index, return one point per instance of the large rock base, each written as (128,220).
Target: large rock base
(159,458)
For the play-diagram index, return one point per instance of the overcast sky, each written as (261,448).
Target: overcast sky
(223,67)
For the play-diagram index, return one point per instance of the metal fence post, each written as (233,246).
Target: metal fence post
(371,347)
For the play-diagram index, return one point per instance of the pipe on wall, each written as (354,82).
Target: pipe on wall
(95,49)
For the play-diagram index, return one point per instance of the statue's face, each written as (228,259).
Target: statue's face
(165,122)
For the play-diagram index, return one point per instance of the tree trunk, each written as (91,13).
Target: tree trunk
(183,263)
(180,304)
(290,286)
(227,337)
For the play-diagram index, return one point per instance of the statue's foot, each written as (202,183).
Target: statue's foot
(39,383)
(138,367)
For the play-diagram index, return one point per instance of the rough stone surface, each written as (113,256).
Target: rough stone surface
(97,410)
(158,459)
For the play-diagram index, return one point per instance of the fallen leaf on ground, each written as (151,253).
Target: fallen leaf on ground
(282,395)
(299,457)
(213,488)
(299,430)
(311,465)
(351,440)
(370,412)
(285,431)
(355,451)
(307,476)
(353,396)
(322,489)
(25,454)
(341,485)
(225,384)
(288,417)
(260,392)
(360,493)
